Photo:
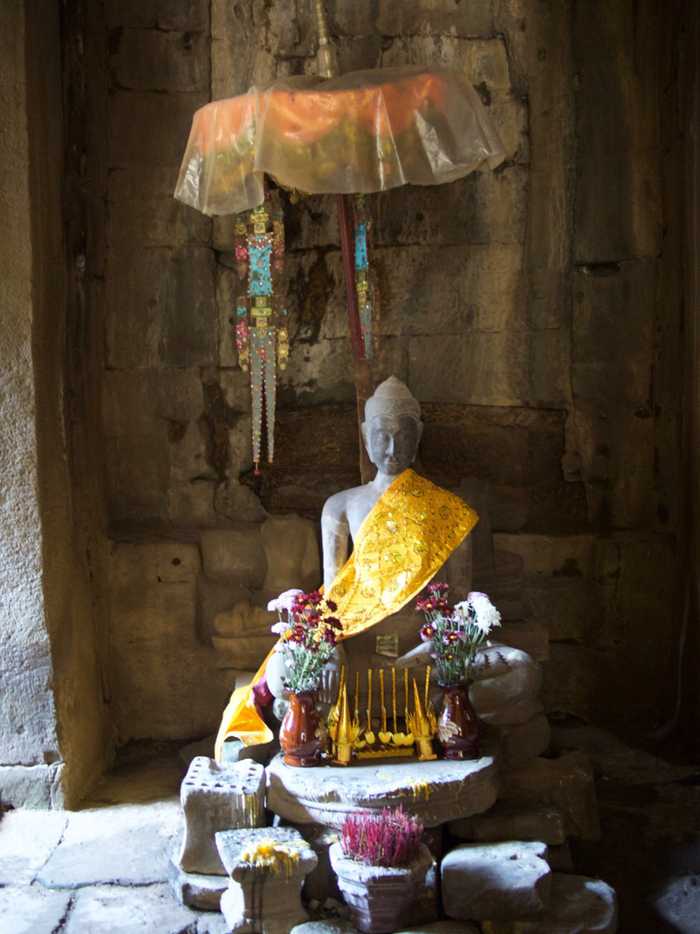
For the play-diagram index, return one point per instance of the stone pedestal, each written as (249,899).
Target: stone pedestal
(267,868)
(213,798)
(195,889)
(435,792)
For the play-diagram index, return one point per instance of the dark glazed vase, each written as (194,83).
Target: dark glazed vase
(458,725)
(301,734)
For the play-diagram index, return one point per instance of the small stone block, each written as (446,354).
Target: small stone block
(267,867)
(495,881)
(197,890)
(213,798)
(578,905)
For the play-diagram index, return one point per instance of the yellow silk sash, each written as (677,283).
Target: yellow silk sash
(403,542)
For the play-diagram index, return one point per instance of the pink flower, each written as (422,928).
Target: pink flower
(285,601)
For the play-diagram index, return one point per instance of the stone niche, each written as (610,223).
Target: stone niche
(186,618)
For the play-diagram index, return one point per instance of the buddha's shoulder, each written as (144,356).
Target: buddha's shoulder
(337,506)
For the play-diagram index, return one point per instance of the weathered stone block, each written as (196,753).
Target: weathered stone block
(291,550)
(234,555)
(397,18)
(321,883)
(168,118)
(197,890)
(161,307)
(507,822)
(215,598)
(495,881)
(160,60)
(267,867)
(554,555)
(565,783)
(163,14)
(615,429)
(529,637)
(158,665)
(146,908)
(154,221)
(216,798)
(577,906)
(521,742)
(622,217)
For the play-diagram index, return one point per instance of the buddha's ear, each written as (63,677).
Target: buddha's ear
(363,429)
(420,431)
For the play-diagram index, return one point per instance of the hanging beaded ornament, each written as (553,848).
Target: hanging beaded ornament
(365,284)
(260,325)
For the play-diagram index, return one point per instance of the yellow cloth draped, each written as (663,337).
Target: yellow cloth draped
(403,542)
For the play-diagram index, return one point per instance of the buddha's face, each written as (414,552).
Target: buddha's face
(392,442)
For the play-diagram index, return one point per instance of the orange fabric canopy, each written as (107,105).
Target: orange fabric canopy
(367,131)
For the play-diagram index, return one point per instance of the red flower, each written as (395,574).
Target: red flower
(314,597)
(427,633)
(297,634)
(332,605)
(453,637)
(329,637)
(438,589)
(333,622)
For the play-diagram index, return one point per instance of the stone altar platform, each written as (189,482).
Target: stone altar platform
(436,792)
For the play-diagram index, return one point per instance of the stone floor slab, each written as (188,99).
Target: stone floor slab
(149,909)
(27,839)
(32,910)
(123,845)
(433,791)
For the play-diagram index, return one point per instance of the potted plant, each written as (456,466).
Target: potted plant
(380,863)
(308,635)
(455,634)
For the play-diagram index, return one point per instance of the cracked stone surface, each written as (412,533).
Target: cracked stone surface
(32,910)
(434,791)
(125,845)
(27,839)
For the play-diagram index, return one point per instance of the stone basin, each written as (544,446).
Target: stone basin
(435,792)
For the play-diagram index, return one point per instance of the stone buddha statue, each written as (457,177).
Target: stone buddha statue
(405,532)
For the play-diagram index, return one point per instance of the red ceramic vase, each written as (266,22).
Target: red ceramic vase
(301,734)
(458,725)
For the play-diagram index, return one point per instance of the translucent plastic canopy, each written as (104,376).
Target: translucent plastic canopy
(366,131)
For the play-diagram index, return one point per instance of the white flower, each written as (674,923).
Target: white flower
(285,601)
(487,616)
(279,628)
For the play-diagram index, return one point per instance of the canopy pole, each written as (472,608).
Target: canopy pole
(328,68)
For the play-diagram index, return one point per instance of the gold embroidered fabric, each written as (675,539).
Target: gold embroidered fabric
(403,542)
(405,539)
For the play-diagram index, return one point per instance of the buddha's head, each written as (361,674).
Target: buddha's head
(392,427)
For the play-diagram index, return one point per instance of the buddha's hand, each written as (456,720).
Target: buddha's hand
(416,658)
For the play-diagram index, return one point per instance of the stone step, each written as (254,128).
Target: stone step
(577,905)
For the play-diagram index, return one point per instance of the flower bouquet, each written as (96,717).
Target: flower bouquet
(308,634)
(455,634)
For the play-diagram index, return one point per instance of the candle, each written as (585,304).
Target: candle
(393,699)
(426,699)
(381,699)
(357,697)
(369,700)
(405,697)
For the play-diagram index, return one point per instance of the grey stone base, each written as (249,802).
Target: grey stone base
(32,786)
(196,890)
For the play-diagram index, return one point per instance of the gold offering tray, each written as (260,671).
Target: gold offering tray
(368,736)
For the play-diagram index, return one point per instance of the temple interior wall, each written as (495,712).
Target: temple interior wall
(529,309)
(535,312)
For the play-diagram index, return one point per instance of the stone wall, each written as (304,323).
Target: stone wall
(53,731)
(528,309)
